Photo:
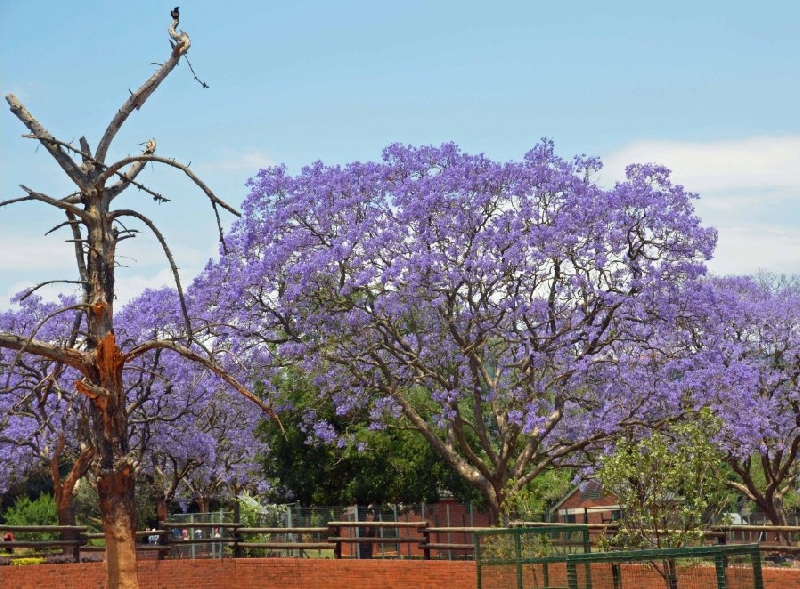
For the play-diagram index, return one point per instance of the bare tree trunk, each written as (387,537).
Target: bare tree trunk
(116,492)
(162,509)
(776,513)
(114,468)
(203,503)
(770,500)
(114,465)
(671,573)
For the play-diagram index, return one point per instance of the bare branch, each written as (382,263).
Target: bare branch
(86,152)
(215,201)
(80,258)
(14,200)
(136,215)
(199,81)
(68,356)
(59,204)
(73,198)
(156,344)
(138,98)
(128,177)
(50,143)
(33,289)
(60,225)
(114,168)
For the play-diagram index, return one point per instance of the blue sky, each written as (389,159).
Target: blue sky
(710,89)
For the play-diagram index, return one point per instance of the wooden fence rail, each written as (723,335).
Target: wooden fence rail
(72,537)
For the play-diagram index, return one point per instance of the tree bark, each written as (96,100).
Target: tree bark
(770,500)
(113,463)
(116,492)
(64,491)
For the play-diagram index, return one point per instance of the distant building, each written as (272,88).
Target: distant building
(587,504)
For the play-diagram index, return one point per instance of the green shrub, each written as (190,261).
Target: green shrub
(38,512)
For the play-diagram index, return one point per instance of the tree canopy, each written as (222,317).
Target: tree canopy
(494,305)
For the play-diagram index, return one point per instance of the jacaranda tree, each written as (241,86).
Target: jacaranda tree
(96,228)
(739,355)
(192,438)
(492,304)
(44,426)
(180,417)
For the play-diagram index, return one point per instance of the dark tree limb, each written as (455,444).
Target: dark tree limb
(136,215)
(128,177)
(59,204)
(199,81)
(80,256)
(33,289)
(60,225)
(138,98)
(15,200)
(45,138)
(114,168)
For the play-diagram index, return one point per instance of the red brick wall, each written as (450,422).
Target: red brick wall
(288,573)
(254,573)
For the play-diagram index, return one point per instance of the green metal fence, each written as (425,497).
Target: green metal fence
(527,557)
(723,567)
(559,557)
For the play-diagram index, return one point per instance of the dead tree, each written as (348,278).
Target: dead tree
(96,229)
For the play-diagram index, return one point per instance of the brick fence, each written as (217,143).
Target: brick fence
(285,573)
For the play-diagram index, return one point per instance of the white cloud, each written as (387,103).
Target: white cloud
(757,248)
(763,164)
(231,162)
(26,252)
(749,190)
(129,287)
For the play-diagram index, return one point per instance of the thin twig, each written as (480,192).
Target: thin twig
(189,63)
(33,289)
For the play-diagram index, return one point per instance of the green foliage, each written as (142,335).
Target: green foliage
(668,484)
(254,515)
(392,465)
(531,545)
(37,512)
(531,502)
(87,506)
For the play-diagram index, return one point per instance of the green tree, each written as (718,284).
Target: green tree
(391,465)
(668,484)
(532,501)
